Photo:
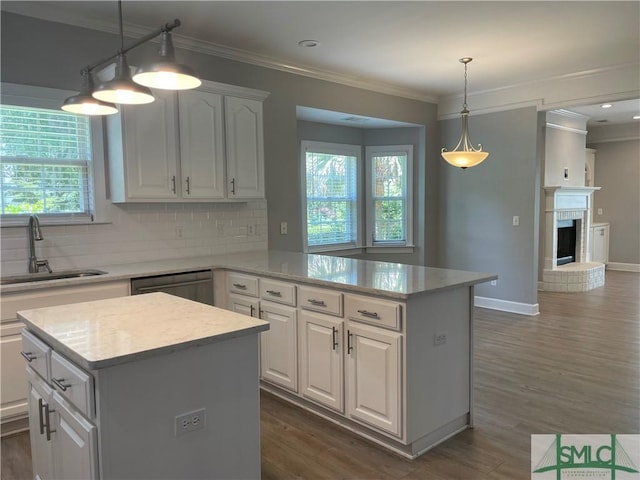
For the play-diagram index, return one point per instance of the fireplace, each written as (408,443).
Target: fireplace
(567,260)
(566,251)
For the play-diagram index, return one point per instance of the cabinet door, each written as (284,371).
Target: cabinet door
(41,449)
(150,148)
(321,359)
(245,305)
(74,443)
(278,346)
(14,382)
(245,148)
(600,244)
(201,144)
(374,394)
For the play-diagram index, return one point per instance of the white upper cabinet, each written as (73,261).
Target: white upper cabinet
(143,151)
(195,145)
(201,144)
(245,148)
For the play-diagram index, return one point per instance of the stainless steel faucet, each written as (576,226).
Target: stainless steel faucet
(35,234)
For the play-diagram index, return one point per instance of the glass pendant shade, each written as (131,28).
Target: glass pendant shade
(465,155)
(85,104)
(122,89)
(165,73)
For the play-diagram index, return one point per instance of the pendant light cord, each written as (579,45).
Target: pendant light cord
(122,27)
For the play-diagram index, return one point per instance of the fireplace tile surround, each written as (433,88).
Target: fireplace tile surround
(570,203)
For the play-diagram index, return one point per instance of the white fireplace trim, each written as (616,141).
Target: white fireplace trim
(570,203)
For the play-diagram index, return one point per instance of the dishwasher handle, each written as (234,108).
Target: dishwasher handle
(155,288)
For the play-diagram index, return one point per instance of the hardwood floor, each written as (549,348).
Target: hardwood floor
(575,368)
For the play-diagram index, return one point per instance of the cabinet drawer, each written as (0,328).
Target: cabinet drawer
(320,300)
(243,284)
(37,353)
(72,383)
(381,313)
(280,292)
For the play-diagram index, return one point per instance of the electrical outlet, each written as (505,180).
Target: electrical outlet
(440,338)
(251,230)
(190,421)
(283,228)
(178,233)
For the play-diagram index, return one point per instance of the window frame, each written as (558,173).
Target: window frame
(338,149)
(51,98)
(370,152)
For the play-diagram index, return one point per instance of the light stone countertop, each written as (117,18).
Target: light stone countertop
(104,333)
(393,280)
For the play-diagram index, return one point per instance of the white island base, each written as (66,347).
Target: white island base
(111,381)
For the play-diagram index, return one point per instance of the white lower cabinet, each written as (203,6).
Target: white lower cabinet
(13,403)
(63,442)
(279,346)
(322,359)
(374,379)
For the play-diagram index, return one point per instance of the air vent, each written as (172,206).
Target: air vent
(602,121)
(355,119)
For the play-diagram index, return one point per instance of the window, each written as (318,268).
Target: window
(47,158)
(389,198)
(331,203)
(333,193)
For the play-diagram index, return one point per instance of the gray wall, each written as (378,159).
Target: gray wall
(617,171)
(477,205)
(49,54)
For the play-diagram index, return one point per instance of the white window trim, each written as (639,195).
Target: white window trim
(389,247)
(42,97)
(339,148)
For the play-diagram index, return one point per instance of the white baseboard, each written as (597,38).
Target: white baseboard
(507,306)
(624,267)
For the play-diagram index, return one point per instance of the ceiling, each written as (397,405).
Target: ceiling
(407,48)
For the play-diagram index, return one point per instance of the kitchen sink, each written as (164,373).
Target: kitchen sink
(43,277)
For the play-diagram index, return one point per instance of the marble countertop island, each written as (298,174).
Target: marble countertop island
(393,280)
(109,332)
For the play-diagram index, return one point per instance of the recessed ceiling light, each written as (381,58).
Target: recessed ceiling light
(606,105)
(308,43)
(636,117)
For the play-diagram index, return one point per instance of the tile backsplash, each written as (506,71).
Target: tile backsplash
(142,232)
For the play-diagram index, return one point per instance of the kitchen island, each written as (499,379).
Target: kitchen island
(382,349)
(149,386)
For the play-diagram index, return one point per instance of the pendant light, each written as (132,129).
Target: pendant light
(84,103)
(166,73)
(464,155)
(122,89)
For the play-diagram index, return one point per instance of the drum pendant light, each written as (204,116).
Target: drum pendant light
(464,155)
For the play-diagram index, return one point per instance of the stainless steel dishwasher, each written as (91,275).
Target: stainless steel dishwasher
(194,285)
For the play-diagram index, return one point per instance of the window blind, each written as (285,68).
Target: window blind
(45,158)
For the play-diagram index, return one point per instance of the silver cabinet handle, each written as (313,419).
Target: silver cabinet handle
(334,337)
(317,303)
(240,285)
(58,383)
(28,356)
(173,184)
(40,417)
(367,313)
(275,293)
(47,425)
(188,186)
(349,342)
(253,309)
(233,186)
